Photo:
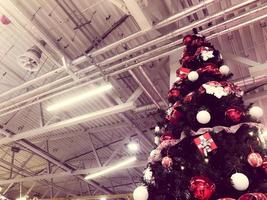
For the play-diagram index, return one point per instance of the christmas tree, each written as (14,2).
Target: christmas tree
(208,144)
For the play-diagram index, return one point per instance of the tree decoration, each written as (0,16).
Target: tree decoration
(193,76)
(157,129)
(224,69)
(256,112)
(234,114)
(202,187)
(216,90)
(203,117)
(187,39)
(148,175)
(206,133)
(255,159)
(155,155)
(167,162)
(206,54)
(239,181)
(5,20)
(182,72)
(157,140)
(140,193)
(205,144)
(166,136)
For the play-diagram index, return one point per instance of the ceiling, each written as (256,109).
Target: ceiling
(129,44)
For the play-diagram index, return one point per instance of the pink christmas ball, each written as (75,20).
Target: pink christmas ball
(167,162)
(255,159)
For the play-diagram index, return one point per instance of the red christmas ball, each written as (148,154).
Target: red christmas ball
(202,187)
(255,159)
(264,164)
(234,114)
(4,19)
(187,39)
(167,162)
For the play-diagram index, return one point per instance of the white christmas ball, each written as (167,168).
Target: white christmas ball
(157,140)
(203,117)
(256,112)
(224,69)
(155,155)
(193,76)
(140,193)
(240,181)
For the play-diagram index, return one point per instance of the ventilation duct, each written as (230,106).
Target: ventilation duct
(31,59)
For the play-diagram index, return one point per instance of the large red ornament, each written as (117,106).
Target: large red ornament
(4,20)
(167,162)
(234,114)
(255,159)
(187,39)
(202,187)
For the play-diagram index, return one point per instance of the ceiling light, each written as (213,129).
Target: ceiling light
(133,146)
(80,97)
(22,198)
(110,169)
(103,198)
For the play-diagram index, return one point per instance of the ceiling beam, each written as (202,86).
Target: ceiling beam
(138,14)
(70,122)
(71,134)
(68,174)
(121,5)
(240,59)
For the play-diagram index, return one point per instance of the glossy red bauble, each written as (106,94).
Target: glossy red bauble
(234,114)
(255,159)
(202,187)
(187,39)
(4,20)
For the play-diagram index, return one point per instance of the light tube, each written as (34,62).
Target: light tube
(21,198)
(110,169)
(80,97)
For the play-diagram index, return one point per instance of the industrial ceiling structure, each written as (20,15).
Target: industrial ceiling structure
(79,45)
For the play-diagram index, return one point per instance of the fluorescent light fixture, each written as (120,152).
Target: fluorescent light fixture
(133,146)
(103,198)
(22,198)
(80,97)
(112,168)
